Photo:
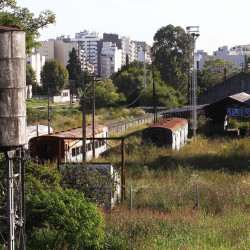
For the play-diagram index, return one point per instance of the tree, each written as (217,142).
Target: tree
(214,71)
(172,49)
(105,93)
(74,69)
(30,76)
(58,218)
(54,76)
(22,17)
(7,3)
(130,81)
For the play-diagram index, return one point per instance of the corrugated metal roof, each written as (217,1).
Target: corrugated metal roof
(241,97)
(77,132)
(185,109)
(172,123)
(4,28)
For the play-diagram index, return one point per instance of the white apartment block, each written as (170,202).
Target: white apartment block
(88,43)
(235,56)
(111,59)
(240,50)
(36,61)
(143,52)
(130,50)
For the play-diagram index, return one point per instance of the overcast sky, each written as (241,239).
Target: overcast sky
(222,22)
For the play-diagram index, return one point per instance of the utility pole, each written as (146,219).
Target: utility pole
(83,129)
(154,94)
(93,118)
(193,31)
(48,111)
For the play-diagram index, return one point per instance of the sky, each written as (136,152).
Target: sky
(221,22)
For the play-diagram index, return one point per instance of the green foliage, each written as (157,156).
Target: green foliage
(130,81)
(54,76)
(233,123)
(7,3)
(22,17)
(95,186)
(30,76)
(214,71)
(56,217)
(105,93)
(74,70)
(61,119)
(172,50)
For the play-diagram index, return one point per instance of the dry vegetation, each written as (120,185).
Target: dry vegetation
(164,182)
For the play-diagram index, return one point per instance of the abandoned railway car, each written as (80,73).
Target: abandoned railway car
(171,132)
(58,146)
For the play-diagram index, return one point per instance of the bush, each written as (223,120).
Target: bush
(58,218)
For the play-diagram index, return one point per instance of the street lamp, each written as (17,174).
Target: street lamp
(193,31)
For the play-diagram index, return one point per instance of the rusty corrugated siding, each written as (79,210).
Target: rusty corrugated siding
(172,123)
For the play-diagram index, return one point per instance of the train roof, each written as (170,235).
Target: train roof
(172,123)
(77,132)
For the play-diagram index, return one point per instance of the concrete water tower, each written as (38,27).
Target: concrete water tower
(12,88)
(13,125)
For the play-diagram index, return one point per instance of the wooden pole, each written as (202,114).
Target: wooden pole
(84,129)
(123,170)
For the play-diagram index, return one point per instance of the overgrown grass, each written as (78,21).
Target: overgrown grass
(61,118)
(165,214)
(188,229)
(71,117)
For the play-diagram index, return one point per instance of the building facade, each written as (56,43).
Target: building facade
(36,61)
(111,59)
(88,42)
(234,55)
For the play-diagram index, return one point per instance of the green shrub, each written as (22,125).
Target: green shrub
(57,218)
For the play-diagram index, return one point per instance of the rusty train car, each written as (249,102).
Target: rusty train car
(52,147)
(171,132)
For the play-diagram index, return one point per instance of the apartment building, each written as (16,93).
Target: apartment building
(130,48)
(111,59)
(234,55)
(88,41)
(143,52)
(36,61)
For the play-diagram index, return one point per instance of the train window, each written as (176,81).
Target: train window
(77,150)
(89,146)
(96,144)
(73,152)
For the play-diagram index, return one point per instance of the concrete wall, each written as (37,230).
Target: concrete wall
(123,126)
(236,84)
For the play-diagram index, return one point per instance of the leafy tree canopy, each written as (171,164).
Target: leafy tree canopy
(22,17)
(30,76)
(54,76)
(172,49)
(74,69)
(7,3)
(105,93)
(214,71)
(130,81)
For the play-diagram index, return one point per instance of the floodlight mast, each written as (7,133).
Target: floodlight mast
(193,31)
